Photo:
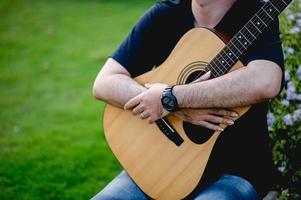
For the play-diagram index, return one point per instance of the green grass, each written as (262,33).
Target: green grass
(51,140)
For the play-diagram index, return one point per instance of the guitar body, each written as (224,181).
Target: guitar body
(160,168)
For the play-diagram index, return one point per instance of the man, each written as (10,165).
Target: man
(244,157)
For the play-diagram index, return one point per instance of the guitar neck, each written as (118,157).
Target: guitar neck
(238,45)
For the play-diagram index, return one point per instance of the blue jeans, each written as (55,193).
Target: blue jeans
(227,187)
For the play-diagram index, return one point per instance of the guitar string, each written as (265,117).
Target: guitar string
(264,18)
(234,41)
(241,33)
(246,36)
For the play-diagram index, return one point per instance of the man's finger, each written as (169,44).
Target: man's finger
(144,115)
(138,109)
(132,102)
(219,120)
(223,112)
(150,120)
(210,126)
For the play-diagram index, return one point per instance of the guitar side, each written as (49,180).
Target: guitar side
(160,168)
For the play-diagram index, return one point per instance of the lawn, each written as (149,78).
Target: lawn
(51,140)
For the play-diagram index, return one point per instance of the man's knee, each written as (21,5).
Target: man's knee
(242,188)
(229,187)
(121,188)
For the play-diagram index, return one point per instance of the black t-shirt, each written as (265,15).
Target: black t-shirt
(242,149)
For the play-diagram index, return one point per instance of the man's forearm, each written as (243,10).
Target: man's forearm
(117,89)
(238,88)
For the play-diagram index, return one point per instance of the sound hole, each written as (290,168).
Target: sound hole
(197,134)
(194,75)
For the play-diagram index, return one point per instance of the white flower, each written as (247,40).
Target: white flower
(291,95)
(288,119)
(290,91)
(297,115)
(290,50)
(281,168)
(287,76)
(285,102)
(295,30)
(270,119)
(298,97)
(291,86)
(290,17)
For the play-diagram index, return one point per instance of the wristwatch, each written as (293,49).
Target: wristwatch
(168,100)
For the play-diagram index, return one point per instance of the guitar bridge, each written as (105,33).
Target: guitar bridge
(167,129)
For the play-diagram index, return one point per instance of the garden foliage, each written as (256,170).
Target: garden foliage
(284,117)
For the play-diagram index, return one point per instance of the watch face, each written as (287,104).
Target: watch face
(168,103)
(168,100)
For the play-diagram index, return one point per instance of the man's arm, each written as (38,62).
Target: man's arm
(259,81)
(114,84)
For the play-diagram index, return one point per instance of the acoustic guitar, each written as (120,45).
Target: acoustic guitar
(167,159)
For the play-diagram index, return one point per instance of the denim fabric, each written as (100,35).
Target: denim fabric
(228,187)
(121,187)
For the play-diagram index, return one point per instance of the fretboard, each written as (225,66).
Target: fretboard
(237,46)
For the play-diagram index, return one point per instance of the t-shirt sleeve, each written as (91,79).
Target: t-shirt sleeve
(267,47)
(137,53)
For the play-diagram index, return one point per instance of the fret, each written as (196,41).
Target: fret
(260,18)
(220,67)
(245,37)
(233,49)
(213,75)
(248,35)
(253,29)
(241,44)
(268,14)
(284,2)
(254,37)
(214,68)
(213,72)
(212,64)
(256,27)
(223,62)
(230,53)
(280,4)
(211,69)
(231,42)
(274,7)
(261,21)
(223,52)
(271,10)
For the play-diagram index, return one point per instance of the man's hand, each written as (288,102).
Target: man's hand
(208,118)
(148,103)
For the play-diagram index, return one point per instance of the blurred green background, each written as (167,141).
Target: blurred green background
(51,140)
